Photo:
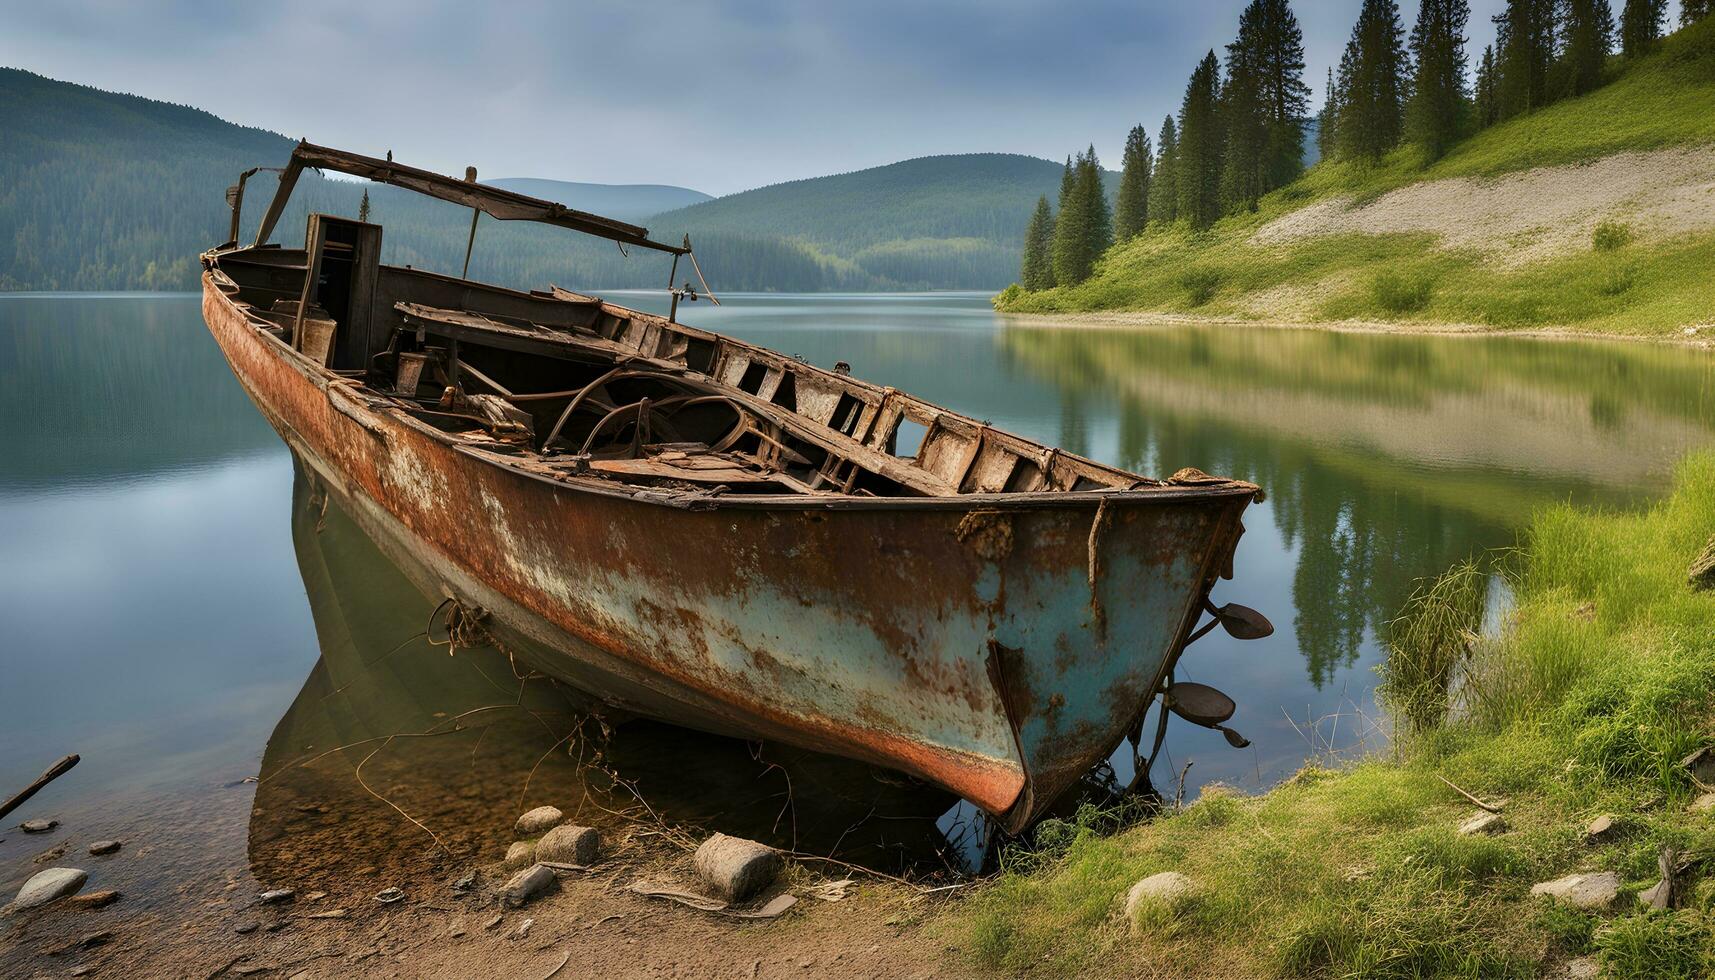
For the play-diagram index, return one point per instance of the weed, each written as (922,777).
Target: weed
(1659,946)
(1429,640)
(1398,293)
(1200,286)
(1611,236)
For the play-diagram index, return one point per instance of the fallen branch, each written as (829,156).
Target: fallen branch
(1491,807)
(54,772)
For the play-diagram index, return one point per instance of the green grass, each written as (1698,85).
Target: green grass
(1619,285)
(1602,678)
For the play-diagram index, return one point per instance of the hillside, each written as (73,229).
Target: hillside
(1595,214)
(107,191)
(636,203)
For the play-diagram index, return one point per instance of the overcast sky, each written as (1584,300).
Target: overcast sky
(721,95)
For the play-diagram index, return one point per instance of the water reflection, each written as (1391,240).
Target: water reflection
(1386,458)
(394,745)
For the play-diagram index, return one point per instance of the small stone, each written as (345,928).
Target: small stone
(491,923)
(1704,803)
(46,886)
(1582,968)
(276,896)
(329,914)
(1594,892)
(1169,888)
(734,869)
(387,896)
(539,821)
(466,883)
(94,900)
(1700,765)
(315,896)
(456,931)
(528,884)
(245,928)
(1601,829)
(523,929)
(567,844)
(275,926)
(1483,824)
(104,847)
(520,855)
(82,971)
(90,941)
(38,826)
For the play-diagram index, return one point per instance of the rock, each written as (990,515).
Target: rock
(527,884)
(276,896)
(520,855)
(90,941)
(1700,765)
(1704,803)
(734,869)
(38,826)
(567,844)
(1582,968)
(46,886)
(105,847)
(315,896)
(1169,888)
(387,896)
(466,883)
(491,923)
(1701,574)
(275,926)
(539,821)
(1594,892)
(245,928)
(329,914)
(523,929)
(1600,830)
(1484,824)
(94,900)
(455,932)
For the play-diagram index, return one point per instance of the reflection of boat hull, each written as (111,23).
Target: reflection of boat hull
(963,641)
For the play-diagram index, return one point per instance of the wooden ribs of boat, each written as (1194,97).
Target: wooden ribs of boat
(701,530)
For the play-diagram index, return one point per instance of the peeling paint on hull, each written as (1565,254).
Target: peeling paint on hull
(965,645)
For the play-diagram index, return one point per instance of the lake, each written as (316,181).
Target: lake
(187,612)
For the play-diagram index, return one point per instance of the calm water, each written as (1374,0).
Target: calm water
(182,611)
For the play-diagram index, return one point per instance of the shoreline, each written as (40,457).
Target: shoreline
(1139,319)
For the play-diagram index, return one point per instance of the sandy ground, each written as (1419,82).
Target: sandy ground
(1524,217)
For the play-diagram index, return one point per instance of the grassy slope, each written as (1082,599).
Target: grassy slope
(1604,678)
(1641,288)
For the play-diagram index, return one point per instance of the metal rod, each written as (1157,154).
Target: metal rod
(470,178)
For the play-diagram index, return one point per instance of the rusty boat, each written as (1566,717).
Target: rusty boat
(688,527)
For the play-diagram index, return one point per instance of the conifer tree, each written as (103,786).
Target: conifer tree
(1587,33)
(1243,128)
(1131,205)
(1692,11)
(1200,139)
(1372,83)
(1485,104)
(363,207)
(1524,42)
(1083,229)
(1435,114)
(1640,26)
(1164,186)
(1284,96)
(1093,195)
(1327,122)
(1038,270)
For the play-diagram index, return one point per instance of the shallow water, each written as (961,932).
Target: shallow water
(183,612)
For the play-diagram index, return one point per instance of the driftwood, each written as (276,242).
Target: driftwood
(54,772)
(1491,807)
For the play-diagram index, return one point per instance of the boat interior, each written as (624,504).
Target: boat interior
(579,386)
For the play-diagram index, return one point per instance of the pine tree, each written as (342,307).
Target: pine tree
(1131,205)
(1093,195)
(1372,83)
(1243,128)
(363,207)
(1327,122)
(1200,139)
(1692,11)
(1524,41)
(1284,96)
(1587,33)
(1038,271)
(1082,228)
(1485,104)
(1435,114)
(1640,26)
(1164,186)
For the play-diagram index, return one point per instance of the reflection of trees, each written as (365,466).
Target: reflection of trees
(1366,526)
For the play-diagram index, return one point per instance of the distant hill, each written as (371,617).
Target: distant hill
(106,191)
(636,203)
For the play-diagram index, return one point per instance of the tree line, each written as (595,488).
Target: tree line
(1241,126)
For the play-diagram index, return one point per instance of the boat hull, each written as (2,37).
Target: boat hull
(997,650)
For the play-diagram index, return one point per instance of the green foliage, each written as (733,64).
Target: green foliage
(1131,205)
(1164,186)
(1201,146)
(1659,946)
(1525,39)
(1485,93)
(1435,114)
(1399,294)
(1611,236)
(1640,26)
(1083,229)
(1200,285)
(1428,642)
(1587,35)
(1372,84)
(1038,268)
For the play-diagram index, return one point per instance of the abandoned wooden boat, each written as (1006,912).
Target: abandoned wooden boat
(696,529)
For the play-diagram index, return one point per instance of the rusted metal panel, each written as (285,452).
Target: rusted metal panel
(978,649)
